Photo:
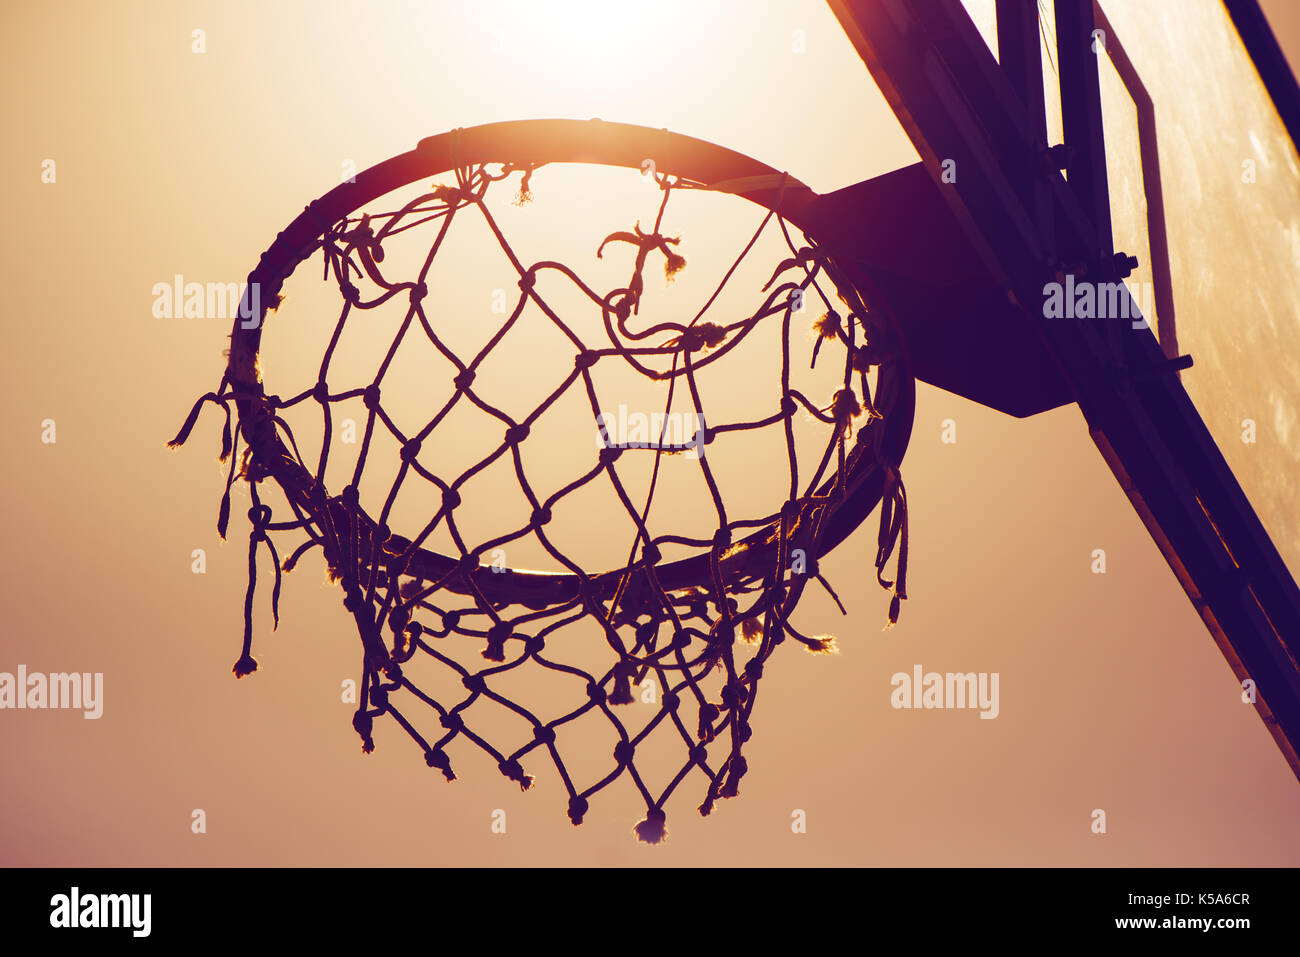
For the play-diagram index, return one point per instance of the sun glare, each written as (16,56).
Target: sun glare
(584,42)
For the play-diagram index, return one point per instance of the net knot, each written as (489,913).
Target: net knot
(496,642)
(403,643)
(363,724)
(609,454)
(864,357)
(450,500)
(843,409)
(437,758)
(705,335)
(734,694)
(516,434)
(454,196)
(535,645)
(379,697)
(722,537)
(754,670)
(646,631)
(670,701)
(736,771)
(410,450)
(828,326)
(578,808)
(653,829)
(650,554)
(595,692)
(259,516)
(464,379)
(544,735)
(370,398)
(350,497)
(418,291)
(320,392)
(622,691)
(623,752)
(540,517)
(822,645)
(452,721)
(585,359)
(474,683)
(515,772)
(647,242)
(708,714)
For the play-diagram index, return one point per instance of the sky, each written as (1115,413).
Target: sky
(176,153)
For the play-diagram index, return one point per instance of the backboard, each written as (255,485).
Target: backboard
(1230,173)
(1178,176)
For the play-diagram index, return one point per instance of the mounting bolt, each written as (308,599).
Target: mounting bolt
(1122,265)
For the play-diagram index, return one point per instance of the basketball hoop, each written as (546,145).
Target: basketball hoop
(703,626)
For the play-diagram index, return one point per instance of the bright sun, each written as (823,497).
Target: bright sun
(582,39)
